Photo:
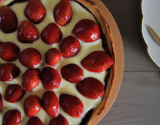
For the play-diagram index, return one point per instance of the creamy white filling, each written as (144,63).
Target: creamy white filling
(65,87)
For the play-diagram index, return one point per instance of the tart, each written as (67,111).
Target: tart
(52,72)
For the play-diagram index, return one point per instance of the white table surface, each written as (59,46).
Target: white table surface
(138,101)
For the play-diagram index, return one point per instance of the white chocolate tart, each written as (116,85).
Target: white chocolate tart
(112,45)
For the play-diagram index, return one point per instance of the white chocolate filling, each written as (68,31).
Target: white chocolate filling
(65,87)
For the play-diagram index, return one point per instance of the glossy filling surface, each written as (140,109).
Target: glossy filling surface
(65,87)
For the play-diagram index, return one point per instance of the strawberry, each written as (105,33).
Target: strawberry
(8,20)
(9,51)
(50,78)
(62,12)
(86,30)
(35,11)
(8,72)
(51,34)
(14,93)
(32,105)
(69,46)
(30,57)
(27,32)
(72,73)
(60,120)
(31,78)
(97,61)
(34,121)
(50,104)
(72,105)
(12,117)
(53,56)
(90,88)
(1,102)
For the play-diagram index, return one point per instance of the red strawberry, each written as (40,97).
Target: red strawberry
(72,73)
(8,72)
(53,56)
(60,120)
(62,12)
(30,57)
(9,51)
(97,61)
(72,105)
(90,88)
(34,121)
(9,21)
(12,117)
(1,102)
(87,30)
(69,46)
(31,78)
(50,103)
(14,93)
(32,105)
(27,32)
(51,34)
(50,78)
(35,11)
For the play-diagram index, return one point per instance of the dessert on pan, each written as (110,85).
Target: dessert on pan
(57,62)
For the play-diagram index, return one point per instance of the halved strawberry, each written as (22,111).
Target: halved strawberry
(91,88)
(27,32)
(60,120)
(72,73)
(31,78)
(14,93)
(1,102)
(97,61)
(69,46)
(50,103)
(62,12)
(32,105)
(50,78)
(12,117)
(72,105)
(51,34)
(34,121)
(8,72)
(35,11)
(30,57)
(8,20)
(53,56)
(9,51)
(86,30)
